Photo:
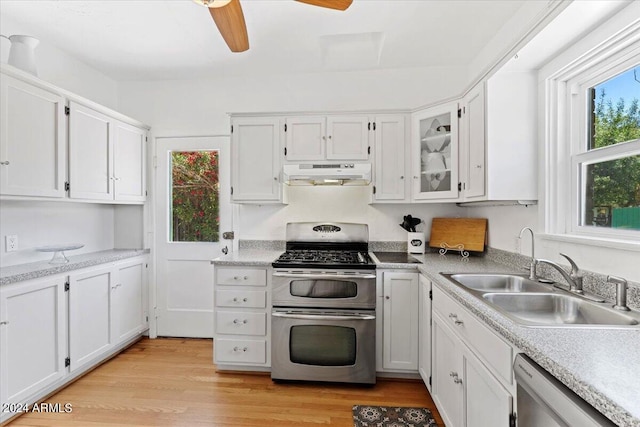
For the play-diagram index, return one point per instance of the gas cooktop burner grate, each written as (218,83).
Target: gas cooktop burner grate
(324,257)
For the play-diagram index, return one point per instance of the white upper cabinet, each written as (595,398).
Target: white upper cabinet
(32,140)
(390,183)
(504,166)
(256,159)
(106,157)
(318,138)
(435,153)
(130,152)
(472,151)
(90,153)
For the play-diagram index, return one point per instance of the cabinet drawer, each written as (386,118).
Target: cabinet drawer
(241,298)
(241,323)
(240,351)
(242,276)
(488,346)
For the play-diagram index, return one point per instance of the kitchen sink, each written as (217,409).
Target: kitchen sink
(533,304)
(556,309)
(498,283)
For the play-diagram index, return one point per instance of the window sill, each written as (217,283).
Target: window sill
(627,245)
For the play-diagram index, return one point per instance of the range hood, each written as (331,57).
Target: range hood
(327,174)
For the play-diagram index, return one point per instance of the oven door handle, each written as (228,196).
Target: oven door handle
(323,316)
(324,276)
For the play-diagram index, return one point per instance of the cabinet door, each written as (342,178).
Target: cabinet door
(128,300)
(255,157)
(390,142)
(129,162)
(32,140)
(487,403)
(424,330)
(400,334)
(473,141)
(435,142)
(348,138)
(33,337)
(305,138)
(447,372)
(90,314)
(90,154)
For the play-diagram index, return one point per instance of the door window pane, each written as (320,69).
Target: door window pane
(435,153)
(323,289)
(195,189)
(323,345)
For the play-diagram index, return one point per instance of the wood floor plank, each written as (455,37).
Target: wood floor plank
(173,382)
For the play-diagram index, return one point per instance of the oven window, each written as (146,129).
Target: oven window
(323,289)
(323,345)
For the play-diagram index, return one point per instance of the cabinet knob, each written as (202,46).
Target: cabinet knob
(329,136)
(5,163)
(235,299)
(275,178)
(245,299)
(453,374)
(479,166)
(457,380)
(235,277)
(401,176)
(453,316)
(415,177)
(459,322)
(387,297)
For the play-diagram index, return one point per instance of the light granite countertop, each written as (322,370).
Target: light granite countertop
(34,270)
(600,365)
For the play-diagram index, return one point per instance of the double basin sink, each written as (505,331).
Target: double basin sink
(530,303)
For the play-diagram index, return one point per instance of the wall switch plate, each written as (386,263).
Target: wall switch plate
(11,243)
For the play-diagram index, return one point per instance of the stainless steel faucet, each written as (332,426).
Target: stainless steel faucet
(534,261)
(621,292)
(573,278)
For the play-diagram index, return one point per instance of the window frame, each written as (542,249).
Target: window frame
(566,121)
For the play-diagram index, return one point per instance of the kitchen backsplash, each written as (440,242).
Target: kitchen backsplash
(595,283)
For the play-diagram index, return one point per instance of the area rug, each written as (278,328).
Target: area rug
(391,416)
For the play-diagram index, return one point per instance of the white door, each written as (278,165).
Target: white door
(192,200)
(348,138)
(400,334)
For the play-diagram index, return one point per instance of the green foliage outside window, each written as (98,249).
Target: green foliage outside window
(195,197)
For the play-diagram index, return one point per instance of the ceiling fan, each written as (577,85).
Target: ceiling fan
(227,14)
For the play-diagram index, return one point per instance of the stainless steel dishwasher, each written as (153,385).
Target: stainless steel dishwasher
(543,401)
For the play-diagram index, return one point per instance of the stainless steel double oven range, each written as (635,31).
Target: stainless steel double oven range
(323,322)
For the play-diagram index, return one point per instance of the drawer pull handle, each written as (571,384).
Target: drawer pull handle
(236,299)
(6,322)
(240,322)
(238,349)
(5,163)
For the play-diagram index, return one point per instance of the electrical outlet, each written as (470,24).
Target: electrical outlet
(11,243)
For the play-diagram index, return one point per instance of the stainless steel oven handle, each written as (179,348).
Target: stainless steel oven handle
(325,276)
(323,316)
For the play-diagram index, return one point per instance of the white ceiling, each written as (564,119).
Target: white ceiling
(177,39)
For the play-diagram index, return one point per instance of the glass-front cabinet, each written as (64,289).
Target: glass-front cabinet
(435,153)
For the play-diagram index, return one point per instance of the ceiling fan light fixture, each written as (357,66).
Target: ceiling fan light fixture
(213,3)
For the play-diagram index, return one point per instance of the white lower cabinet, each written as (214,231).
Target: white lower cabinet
(106,308)
(242,308)
(33,339)
(398,321)
(424,331)
(466,385)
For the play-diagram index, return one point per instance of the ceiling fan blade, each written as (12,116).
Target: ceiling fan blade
(230,22)
(331,4)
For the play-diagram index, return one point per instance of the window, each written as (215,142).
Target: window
(592,142)
(609,160)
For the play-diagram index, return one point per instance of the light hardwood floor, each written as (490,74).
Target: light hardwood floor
(173,382)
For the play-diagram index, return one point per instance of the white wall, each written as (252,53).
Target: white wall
(343,204)
(48,223)
(57,67)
